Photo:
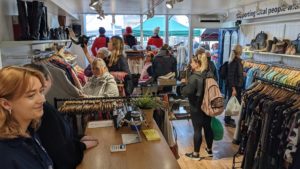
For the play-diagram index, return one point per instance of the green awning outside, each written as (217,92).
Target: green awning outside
(175,28)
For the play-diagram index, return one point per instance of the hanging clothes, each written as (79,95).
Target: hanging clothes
(62,86)
(266,120)
(182,58)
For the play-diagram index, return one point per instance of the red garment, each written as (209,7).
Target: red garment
(156,41)
(99,42)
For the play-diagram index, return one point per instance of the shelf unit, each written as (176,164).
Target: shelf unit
(10,44)
(289,60)
(19,52)
(274,54)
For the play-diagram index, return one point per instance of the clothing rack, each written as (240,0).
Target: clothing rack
(56,100)
(295,89)
(277,84)
(273,64)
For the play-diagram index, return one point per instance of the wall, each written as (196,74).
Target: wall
(197,24)
(8,8)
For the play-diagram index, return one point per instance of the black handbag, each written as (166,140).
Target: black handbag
(297,44)
(260,41)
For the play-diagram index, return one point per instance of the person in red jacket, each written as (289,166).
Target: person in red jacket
(100,42)
(155,40)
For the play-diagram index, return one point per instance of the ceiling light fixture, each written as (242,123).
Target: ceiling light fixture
(93,3)
(169,4)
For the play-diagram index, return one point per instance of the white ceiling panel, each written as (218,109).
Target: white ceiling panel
(185,7)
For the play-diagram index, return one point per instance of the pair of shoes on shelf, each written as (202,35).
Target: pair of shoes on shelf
(193,157)
(209,152)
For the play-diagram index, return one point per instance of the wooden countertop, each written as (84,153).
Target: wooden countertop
(144,155)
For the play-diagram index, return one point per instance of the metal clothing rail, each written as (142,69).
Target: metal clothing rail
(56,100)
(278,84)
(273,64)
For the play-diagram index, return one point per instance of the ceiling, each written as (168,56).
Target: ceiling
(207,7)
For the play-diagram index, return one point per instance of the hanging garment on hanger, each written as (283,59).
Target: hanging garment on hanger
(182,58)
(61,87)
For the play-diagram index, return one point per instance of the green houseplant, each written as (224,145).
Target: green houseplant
(147,104)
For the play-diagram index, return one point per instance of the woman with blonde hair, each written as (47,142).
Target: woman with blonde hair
(194,90)
(117,63)
(21,108)
(102,83)
(234,78)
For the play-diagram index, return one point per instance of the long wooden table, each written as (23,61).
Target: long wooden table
(144,155)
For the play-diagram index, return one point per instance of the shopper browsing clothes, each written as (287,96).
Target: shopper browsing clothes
(21,108)
(63,146)
(211,66)
(234,78)
(129,39)
(193,88)
(100,42)
(155,40)
(117,63)
(102,83)
(147,68)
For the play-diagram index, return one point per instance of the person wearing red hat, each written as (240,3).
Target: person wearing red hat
(129,39)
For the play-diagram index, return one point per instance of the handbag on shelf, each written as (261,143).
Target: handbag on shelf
(297,44)
(260,41)
(291,50)
(280,47)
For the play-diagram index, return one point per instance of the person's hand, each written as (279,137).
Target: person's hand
(90,144)
(244,74)
(71,33)
(88,138)
(233,92)
(84,48)
(183,81)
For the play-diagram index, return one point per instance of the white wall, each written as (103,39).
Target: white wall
(8,8)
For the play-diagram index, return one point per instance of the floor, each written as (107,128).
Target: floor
(223,150)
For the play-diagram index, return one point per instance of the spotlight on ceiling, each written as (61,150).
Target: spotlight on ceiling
(94,2)
(169,4)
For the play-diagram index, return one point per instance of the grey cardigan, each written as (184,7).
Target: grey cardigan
(104,86)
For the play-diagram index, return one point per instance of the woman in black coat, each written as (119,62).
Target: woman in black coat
(63,146)
(234,78)
(194,90)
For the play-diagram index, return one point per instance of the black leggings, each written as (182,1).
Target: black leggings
(201,120)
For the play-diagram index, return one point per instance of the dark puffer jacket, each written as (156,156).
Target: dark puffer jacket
(235,73)
(163,64)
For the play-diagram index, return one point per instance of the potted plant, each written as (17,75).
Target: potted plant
(147,104)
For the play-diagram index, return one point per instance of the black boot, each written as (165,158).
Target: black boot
(44,31)
(23,20)
(35,10)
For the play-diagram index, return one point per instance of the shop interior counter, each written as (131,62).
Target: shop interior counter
(143,155)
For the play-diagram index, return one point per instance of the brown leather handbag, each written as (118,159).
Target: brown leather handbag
(280,46)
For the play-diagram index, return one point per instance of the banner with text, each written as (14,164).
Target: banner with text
(272,11)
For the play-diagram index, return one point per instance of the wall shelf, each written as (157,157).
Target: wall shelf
(274,54)
(10,44)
